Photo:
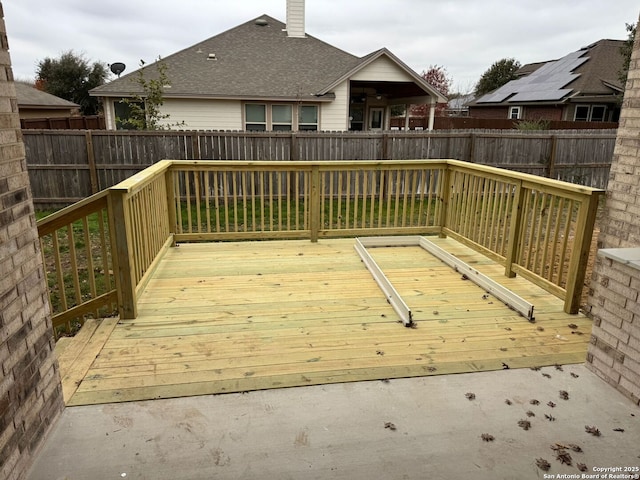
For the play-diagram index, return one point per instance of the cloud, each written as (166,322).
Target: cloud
(464,36)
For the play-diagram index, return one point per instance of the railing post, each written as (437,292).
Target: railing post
(314,206)
(171,200)
(513,247)
(580,253)
(445,194)
(120,227)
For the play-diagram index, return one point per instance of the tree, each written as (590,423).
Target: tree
(438,77)
(625,51)
(496,75)
(71,77)
(144,108)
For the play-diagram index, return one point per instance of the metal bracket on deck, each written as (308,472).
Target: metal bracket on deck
(506,296)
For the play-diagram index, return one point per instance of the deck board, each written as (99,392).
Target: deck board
(229,317)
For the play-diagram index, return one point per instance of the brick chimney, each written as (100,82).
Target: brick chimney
(295,18)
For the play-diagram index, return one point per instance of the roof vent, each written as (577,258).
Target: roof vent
(212,56)
(261,22)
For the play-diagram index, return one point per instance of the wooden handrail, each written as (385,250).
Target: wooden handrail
(520,220)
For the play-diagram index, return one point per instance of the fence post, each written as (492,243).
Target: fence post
(385,147)
(314,203)
(91,159)
(513,247)
(195,146)
(121,237)
(580,252)
(293,147)
(472,146)
(551,173)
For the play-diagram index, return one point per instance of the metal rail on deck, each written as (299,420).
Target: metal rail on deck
(393,297)
(506,296)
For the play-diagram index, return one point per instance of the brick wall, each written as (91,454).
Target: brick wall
(30,391)
(489,112)
(614,352)
(542,113)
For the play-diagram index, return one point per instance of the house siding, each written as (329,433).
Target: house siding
(383,70)
(614,297)
(30,389)
(333,116)
(204,114)
(295,18)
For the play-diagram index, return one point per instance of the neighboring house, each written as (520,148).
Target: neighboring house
(34,103)
(264,75)
(582,86)
(458,106)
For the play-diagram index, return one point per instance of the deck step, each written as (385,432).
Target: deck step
(77,354)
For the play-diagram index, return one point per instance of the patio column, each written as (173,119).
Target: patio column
(406,117)
(432,113)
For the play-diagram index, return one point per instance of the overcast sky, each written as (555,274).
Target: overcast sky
(464,36)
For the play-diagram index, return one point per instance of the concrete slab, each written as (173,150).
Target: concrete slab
(401,429)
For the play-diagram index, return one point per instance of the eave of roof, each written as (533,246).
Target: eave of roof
(372,57)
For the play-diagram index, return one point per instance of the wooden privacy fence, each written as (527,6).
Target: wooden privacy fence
(536,227)
(67,166)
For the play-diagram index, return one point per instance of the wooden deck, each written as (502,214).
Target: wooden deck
(233,317)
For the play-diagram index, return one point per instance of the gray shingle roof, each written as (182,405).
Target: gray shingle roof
(260,59)
(27,95)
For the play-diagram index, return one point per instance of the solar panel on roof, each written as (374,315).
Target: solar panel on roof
(494,97)
(540,95)
(546,83)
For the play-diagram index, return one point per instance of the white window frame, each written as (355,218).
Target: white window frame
(604,113)
(517,110)
(317,122)
(590,109)
(274,123)
(295,116)
(575,113)
(266,117)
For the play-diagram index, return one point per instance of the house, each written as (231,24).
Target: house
(458,106)
(34,103)
(265,75)
(581,86)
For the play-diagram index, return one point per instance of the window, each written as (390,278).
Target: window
(582,113)
(597,113)
(515,113)
(308,117)
(255,117)
(590,113)
(259,117)
(123,113)
(281,118)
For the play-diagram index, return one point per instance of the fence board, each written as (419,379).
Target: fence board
(60,170)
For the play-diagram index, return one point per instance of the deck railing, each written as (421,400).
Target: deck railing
(535,227)
(77,248)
